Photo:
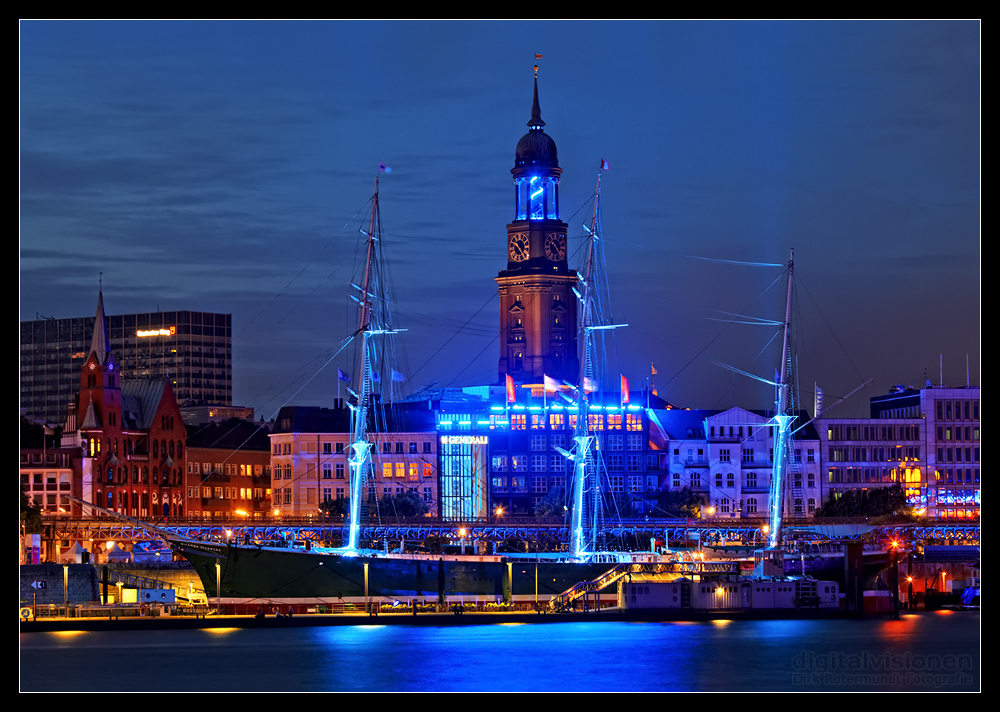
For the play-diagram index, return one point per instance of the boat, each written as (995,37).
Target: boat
(285,570)
(301,570)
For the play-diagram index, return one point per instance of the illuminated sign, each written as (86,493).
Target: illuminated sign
(465,440)
(168,331)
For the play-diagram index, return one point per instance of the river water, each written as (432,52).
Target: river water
(919,652)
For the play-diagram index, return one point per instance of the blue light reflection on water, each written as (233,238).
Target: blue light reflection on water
(605,656)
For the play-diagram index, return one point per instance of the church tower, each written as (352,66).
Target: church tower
(99,407)
(537,303)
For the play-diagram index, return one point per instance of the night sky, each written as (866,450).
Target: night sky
(228,167)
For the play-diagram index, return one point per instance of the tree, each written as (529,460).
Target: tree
(865,503)
(552,504)
(31,515)
(678,504)
(407,504)
(340,507)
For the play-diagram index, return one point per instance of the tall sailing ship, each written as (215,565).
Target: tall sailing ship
(279,570)
(537,263)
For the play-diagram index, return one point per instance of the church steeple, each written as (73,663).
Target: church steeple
(100,369)
(537,307)
(100,344)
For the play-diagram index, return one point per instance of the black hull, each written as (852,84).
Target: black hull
(257,572)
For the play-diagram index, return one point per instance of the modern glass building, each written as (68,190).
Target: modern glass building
(192,349)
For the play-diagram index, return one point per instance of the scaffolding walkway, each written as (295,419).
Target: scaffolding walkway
(661,570)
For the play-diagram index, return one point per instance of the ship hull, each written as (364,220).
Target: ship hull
(262,572)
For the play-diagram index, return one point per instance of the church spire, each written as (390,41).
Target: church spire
(535,122)
(100,344)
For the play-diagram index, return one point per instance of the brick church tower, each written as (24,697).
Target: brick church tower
(537,303)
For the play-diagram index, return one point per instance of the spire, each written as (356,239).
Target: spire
(535,122)
(100,344)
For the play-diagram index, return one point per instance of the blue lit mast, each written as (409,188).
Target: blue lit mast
(591,317)
(373,320)
(783,421)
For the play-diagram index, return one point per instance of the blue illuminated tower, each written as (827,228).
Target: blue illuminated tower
(537,305)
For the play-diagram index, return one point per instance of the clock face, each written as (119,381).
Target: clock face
(518,249)
(92,366)
(555,246)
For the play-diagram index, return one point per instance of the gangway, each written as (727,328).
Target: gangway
(674,568)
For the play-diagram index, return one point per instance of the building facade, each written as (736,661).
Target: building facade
(310,448)
(130,433)
(193,350)
(926,440)
(229,470)
(726,458)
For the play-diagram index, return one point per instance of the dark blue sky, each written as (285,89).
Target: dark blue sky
(226,167)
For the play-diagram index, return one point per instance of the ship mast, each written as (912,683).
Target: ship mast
(373,320)
(584,470)
(783,421)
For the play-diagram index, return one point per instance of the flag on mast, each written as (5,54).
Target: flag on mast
(625,394)
(511,394)
(551,384)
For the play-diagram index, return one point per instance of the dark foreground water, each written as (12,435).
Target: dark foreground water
(919,652)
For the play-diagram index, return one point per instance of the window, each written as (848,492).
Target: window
(724,456)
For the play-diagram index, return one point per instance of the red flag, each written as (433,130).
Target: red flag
(624,390)
(511,395)
(605,166)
